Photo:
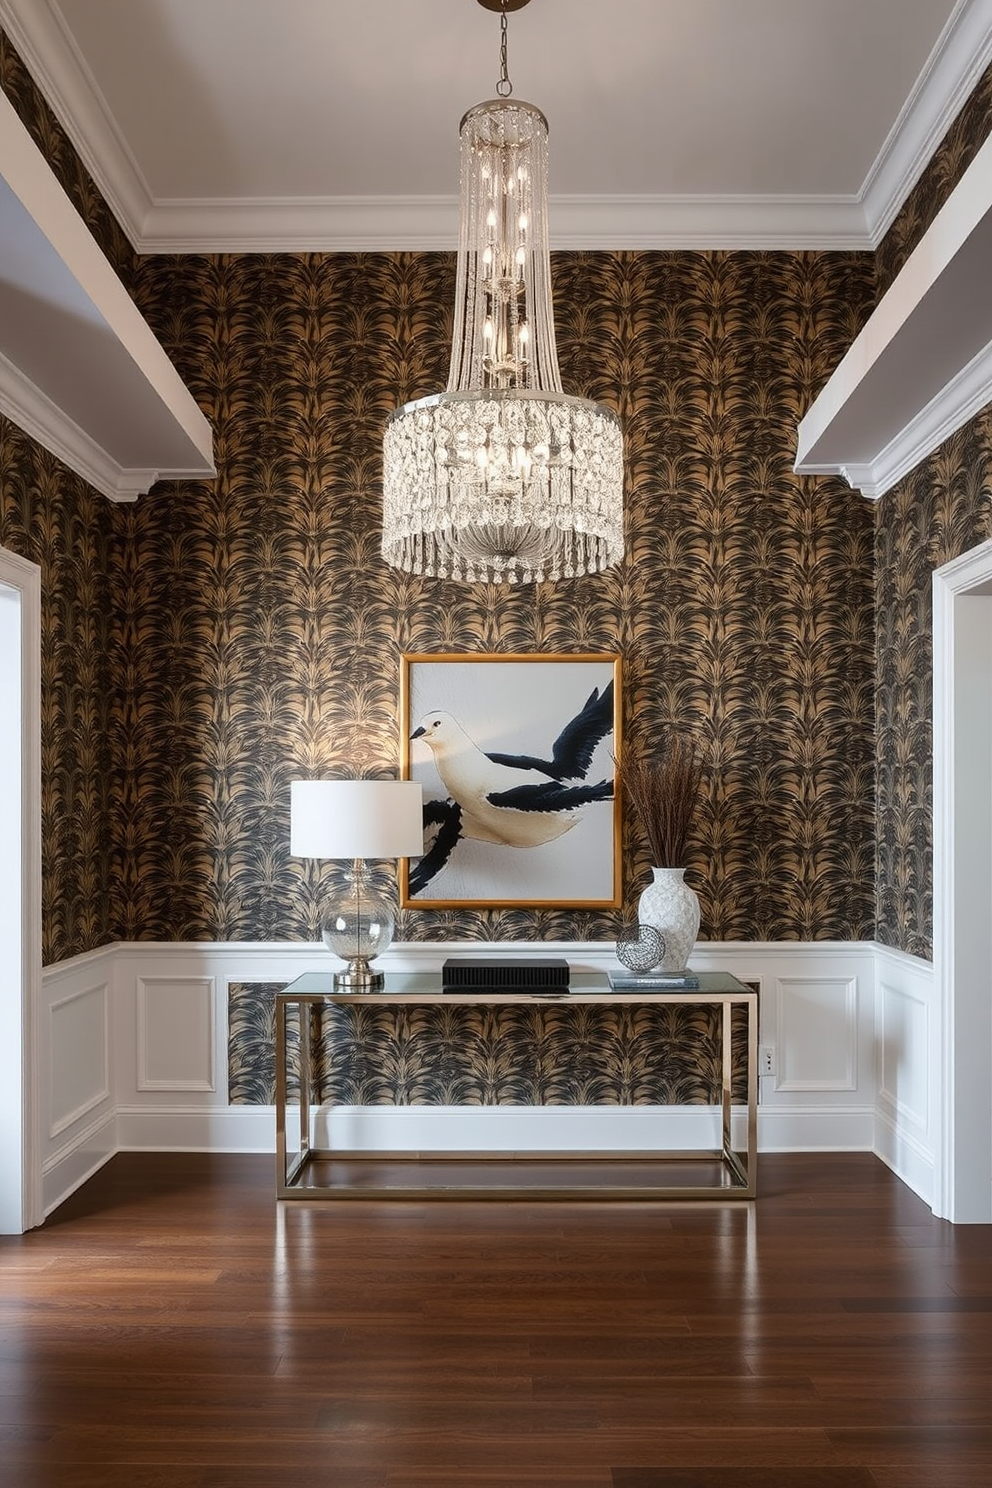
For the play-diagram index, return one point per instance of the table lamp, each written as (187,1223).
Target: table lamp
(357,819)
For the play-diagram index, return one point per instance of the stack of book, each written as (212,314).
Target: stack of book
(653,981)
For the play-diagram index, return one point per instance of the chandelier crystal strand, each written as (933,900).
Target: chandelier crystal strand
(503,478)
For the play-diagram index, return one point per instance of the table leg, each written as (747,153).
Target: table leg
(752,1094)
(281,1171)
(306,1071)
(727,1029)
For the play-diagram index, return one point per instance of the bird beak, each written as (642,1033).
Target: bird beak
(418,733)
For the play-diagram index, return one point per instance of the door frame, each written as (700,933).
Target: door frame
(20,1141)
(962,885)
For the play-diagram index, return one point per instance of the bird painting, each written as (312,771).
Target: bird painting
(515,801)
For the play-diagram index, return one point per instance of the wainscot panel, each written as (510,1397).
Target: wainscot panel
(76,1063)
(907,1104)
(813,997)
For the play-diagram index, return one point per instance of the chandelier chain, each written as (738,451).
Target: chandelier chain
(504,87)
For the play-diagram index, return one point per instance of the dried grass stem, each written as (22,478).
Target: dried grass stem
(664,794)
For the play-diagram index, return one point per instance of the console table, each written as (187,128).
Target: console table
(307,1171)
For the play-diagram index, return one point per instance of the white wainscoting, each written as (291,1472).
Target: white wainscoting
(907,1069)
(136,1039)
(76,1072)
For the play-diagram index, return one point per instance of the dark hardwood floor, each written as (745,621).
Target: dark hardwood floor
(172,1325)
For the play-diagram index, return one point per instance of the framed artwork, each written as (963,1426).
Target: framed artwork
(515,754)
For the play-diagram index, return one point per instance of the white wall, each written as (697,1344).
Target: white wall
(134,1054)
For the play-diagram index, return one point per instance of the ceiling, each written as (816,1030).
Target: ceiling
(214,125)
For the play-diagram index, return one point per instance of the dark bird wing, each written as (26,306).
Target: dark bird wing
(446,817)
(572,751)
(551,795)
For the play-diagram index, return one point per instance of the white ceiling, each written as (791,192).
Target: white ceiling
(267,124)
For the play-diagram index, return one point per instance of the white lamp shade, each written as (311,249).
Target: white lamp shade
(356,818)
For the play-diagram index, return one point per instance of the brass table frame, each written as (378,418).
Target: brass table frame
(314,990)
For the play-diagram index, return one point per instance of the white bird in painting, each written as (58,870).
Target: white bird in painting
(495,797)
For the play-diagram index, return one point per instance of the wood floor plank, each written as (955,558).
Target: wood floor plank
(173,1325)
(760,1477)
(921,1475)
(603,1478)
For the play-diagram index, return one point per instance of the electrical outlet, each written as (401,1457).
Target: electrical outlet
(766,1060)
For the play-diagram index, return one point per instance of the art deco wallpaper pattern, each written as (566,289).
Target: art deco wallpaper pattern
(263,634)
(548,1056)
(940,511)
(56,520)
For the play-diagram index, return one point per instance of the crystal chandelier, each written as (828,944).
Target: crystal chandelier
(503,478)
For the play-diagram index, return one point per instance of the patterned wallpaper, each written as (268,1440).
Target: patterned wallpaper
(53,518)
(939,511)
(561,1055)
(263,634)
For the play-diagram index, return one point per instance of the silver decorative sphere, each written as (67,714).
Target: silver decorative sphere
(640,947)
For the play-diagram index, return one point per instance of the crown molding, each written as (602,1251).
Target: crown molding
(962,53)
(963,397)
(34,412)
(48,52)
(406,223)
(62,308)
(922,365)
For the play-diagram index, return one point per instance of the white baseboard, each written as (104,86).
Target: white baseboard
(908,1158)
(816,1129)
(196,1129)
(495,1129)
(70,1167)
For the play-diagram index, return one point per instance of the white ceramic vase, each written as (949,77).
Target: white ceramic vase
(671,906)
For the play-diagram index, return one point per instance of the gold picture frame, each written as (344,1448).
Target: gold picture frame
(516,755)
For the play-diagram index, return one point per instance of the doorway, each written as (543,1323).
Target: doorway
(20,890)
(962,879)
